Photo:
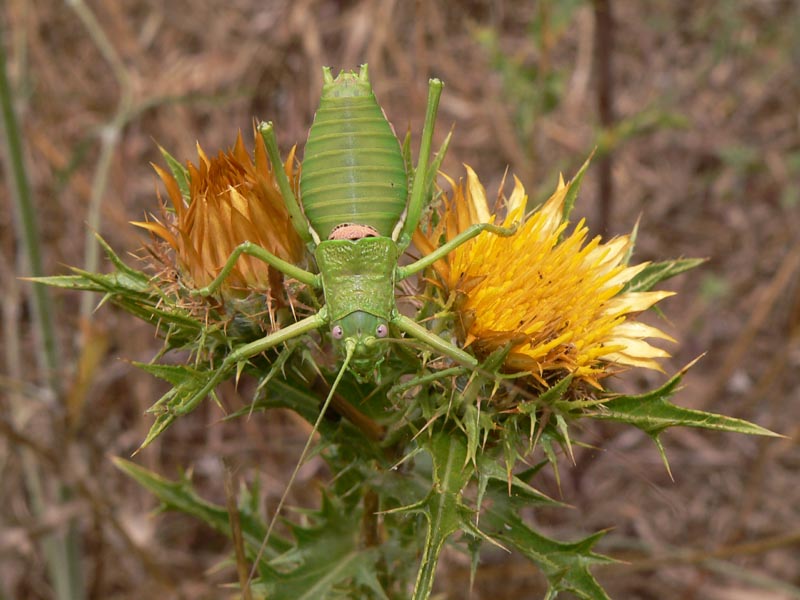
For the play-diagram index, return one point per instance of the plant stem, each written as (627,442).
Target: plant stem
(26,227)
(61,550)
(427,568)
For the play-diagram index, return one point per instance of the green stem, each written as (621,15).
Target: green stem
(28,231)
(61,550)
(427,569)
(449,453)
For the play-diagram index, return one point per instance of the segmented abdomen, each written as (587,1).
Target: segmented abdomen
(353,169)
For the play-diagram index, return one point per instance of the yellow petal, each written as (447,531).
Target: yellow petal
(626,274)
(639,330)
(637,348)
(478,207)
(633,361)
(634,302)
(516,203)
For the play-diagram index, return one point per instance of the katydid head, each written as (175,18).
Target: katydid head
(359,332)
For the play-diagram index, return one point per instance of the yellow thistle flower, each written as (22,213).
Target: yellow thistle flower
(557,299)
(232,199)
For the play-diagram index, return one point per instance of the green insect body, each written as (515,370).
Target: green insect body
(358,285)
(353,168)
(353,175)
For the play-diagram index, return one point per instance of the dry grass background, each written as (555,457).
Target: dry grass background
(706,150)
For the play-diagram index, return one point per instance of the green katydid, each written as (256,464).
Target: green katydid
(357,217)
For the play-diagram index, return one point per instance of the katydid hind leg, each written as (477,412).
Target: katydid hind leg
(419,187)
(433,171)
(242,354)
(418,332)
(427,192)
(292,205)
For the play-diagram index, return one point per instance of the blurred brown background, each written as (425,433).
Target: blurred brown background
(693,107)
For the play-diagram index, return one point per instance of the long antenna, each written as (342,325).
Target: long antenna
(350,346)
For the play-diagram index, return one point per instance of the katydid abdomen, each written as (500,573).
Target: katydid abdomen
(353,169)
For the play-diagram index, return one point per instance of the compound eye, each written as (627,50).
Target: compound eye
(382,331)
(337,332)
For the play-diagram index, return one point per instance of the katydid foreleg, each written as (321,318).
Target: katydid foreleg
(256,251)
(445,249)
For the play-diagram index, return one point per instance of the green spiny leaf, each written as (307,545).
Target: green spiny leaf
(653,413)
(546,440)
(476,420)
(120,283)
(509,438)
(326,554)
(190,387)
(566,565)
(69,282)
(632,236)
(181,496)
(116,260)
(493,479)
(159,426)
(561,424)
(655,273)
(551,396)
(472,428)
(134,292)
(177,375)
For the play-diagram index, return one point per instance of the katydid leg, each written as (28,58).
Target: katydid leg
(445,249)
(243,353)
(292,205)
(415,330)
(420,185)
(428,378)
(256,251)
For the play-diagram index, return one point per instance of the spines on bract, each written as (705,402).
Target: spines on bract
(353,169)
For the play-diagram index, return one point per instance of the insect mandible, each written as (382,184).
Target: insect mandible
(357,215)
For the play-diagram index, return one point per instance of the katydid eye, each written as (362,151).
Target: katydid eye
(382,331)
(337,332)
